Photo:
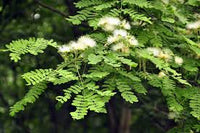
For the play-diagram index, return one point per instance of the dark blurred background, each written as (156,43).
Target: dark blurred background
(46,19)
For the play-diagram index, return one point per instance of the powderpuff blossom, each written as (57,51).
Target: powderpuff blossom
(118,46)
(64,49)
(155,51)
(112,39)
(161,74)
(108,27)
(165,56)
(82,43)
(109,23)
(109,20)
(86,41)
(133,41)
(77,46)
(118,33)
(126,25)
(178,60)
(194,25)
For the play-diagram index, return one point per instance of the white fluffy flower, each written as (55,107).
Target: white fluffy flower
(165,56)
(118,46)
(126,25)
(82,43)
(109,20)
(133,41)
(178,60)
(120,32)
(194,25)
(161,74)
(109,23)
(108,27)
(136,23)
(77,46)
(64,49)
(87,41)
(154,51)
(112,39)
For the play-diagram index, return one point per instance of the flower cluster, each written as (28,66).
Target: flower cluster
(193,25)
(83,43)
(178,60)
(165,54)
(109,23)
(161,74)
(120,39)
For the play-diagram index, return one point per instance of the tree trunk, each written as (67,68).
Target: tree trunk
(125,120)
(112,118)
(119,124)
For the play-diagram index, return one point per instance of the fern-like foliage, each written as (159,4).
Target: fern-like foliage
(126,90)
(87,98)
(195,105)
(81,107)
(54,76)
(139,88)
(168,86)
(62,76)
(139,3)
(88,3)
(81,16)
(30,97)
(32,45)
(37,76)
(168,89)
(85,102)
(136,16)
(75,89)
(106,5)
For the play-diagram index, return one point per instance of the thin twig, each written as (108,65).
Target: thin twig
(51,8)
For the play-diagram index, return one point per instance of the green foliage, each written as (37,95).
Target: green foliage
(93,59)
(87,101)
(125,91)
(87,3)
(37,76)
(54,76)
(32,46)
(128,62)
(139,3)
(135,16)
(195,105)
(90,99)
(30,97)
(75,89)
(82,16)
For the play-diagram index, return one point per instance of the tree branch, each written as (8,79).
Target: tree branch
(51,8)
